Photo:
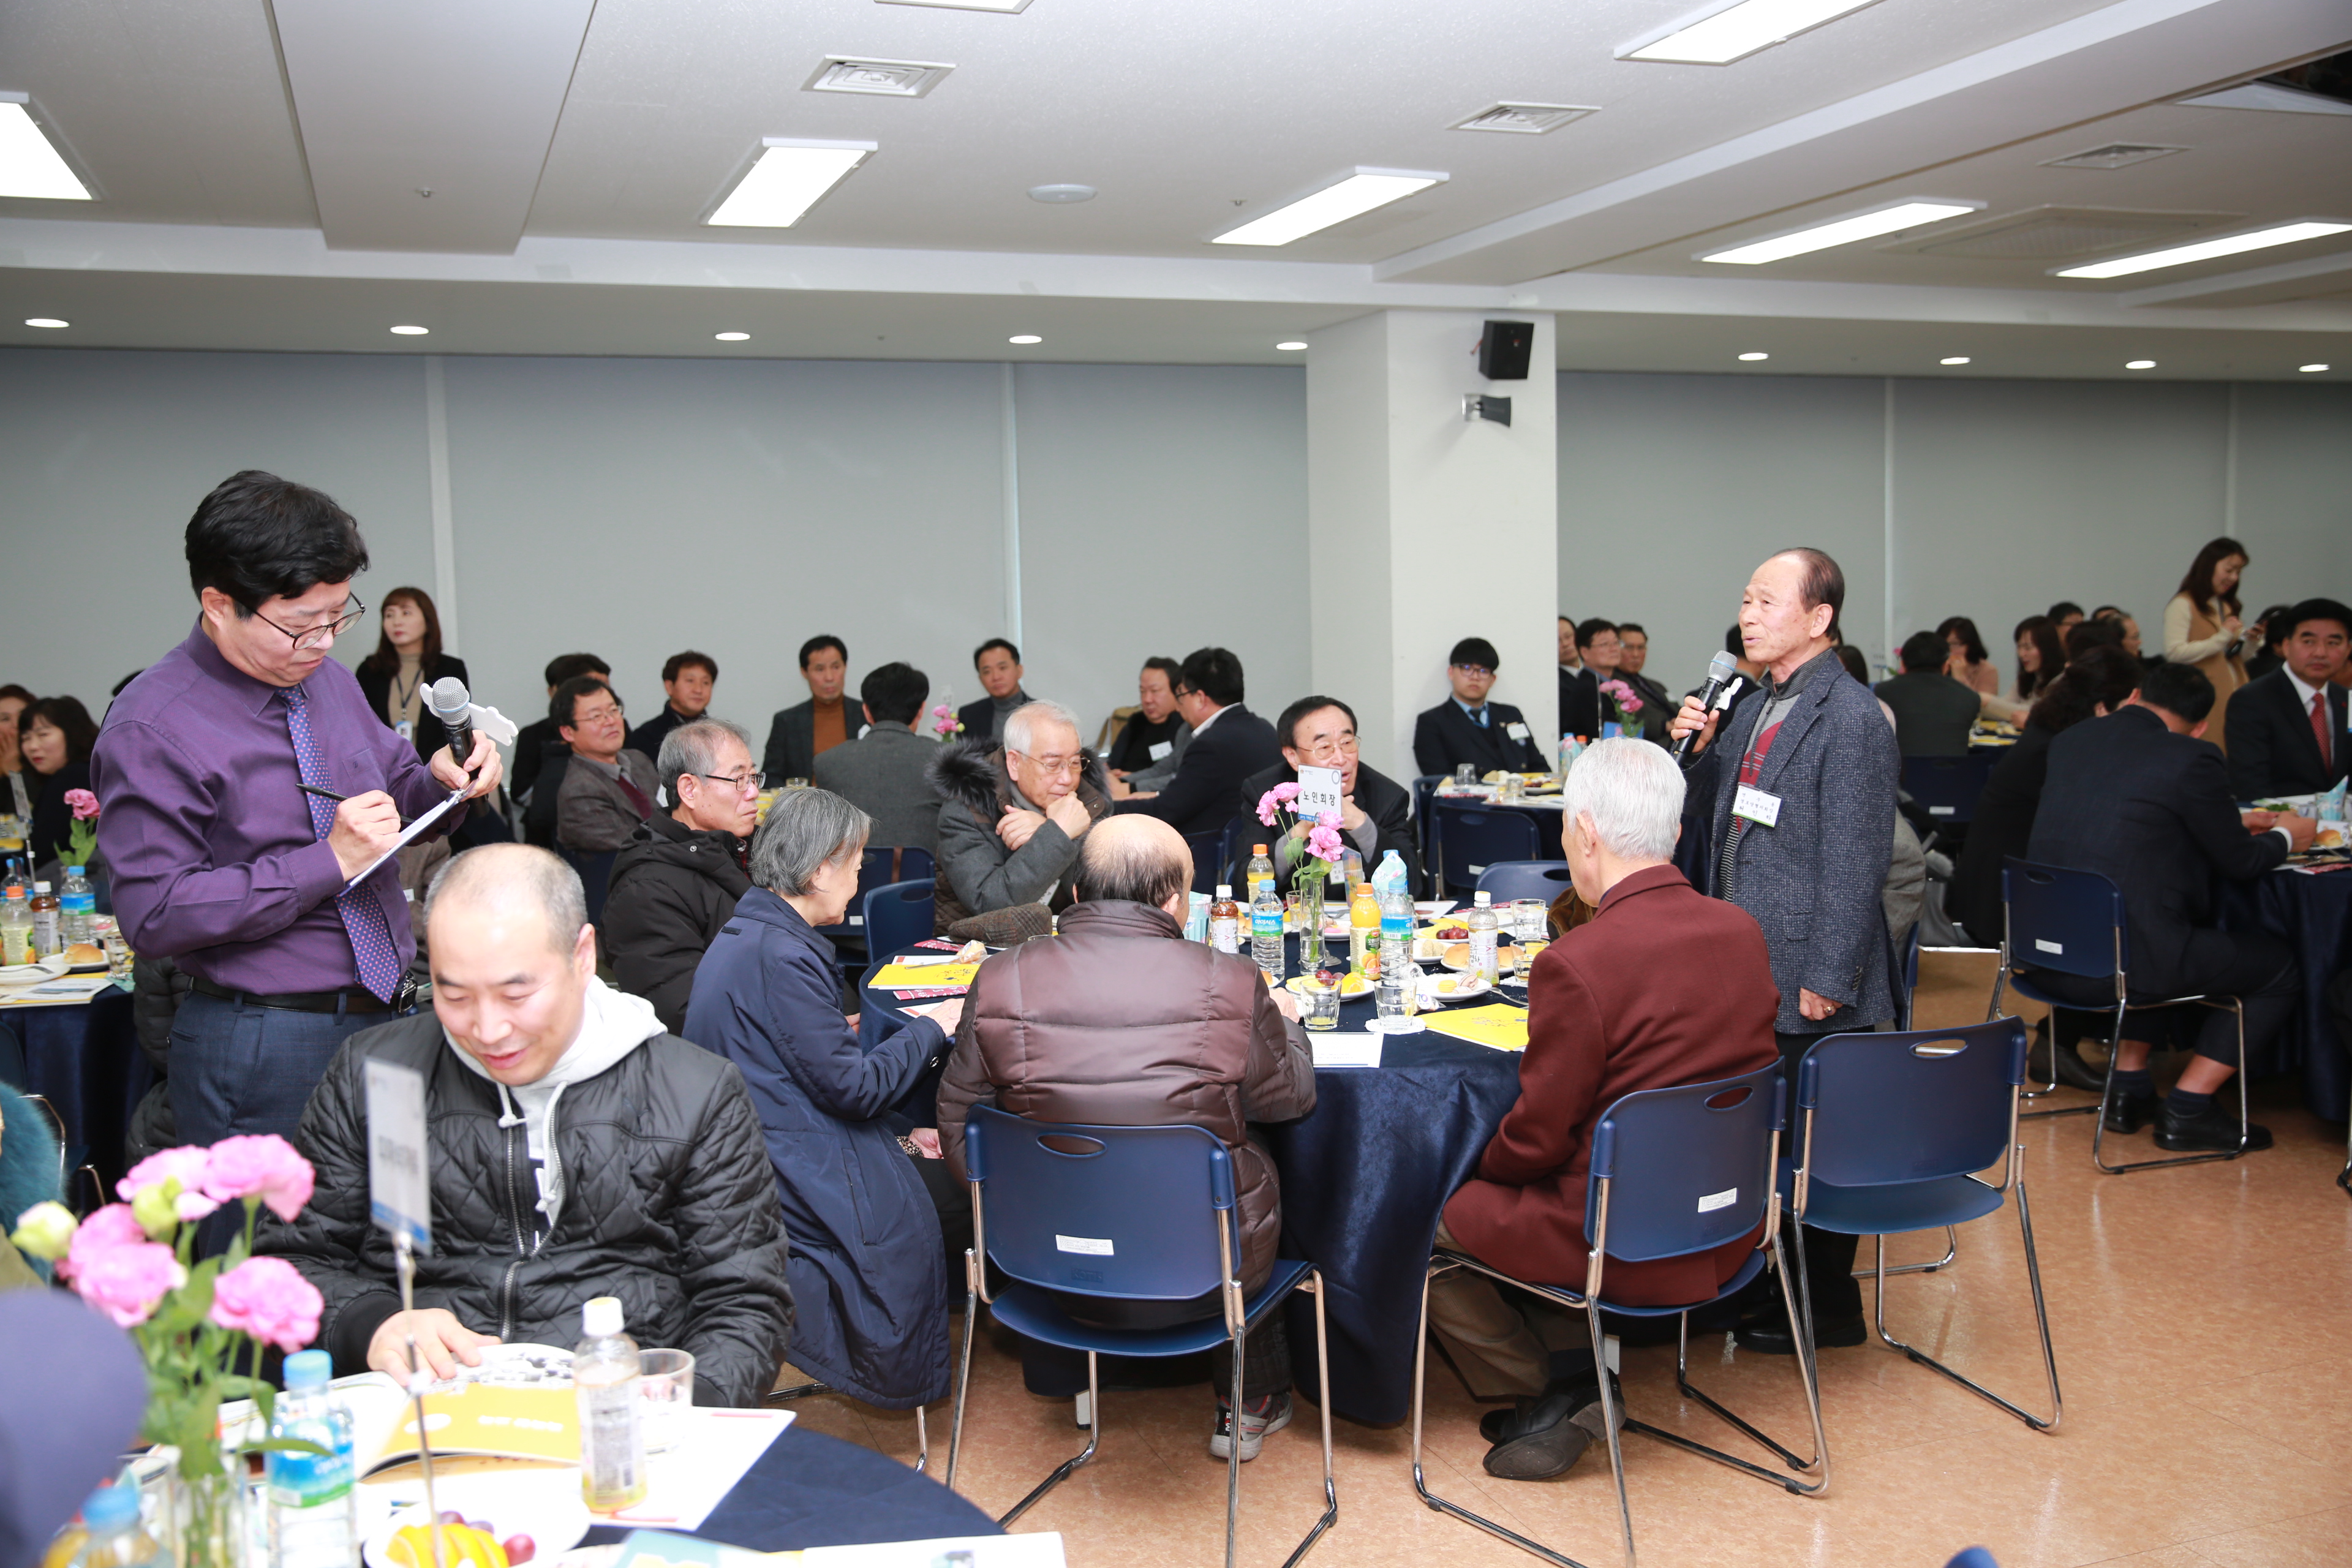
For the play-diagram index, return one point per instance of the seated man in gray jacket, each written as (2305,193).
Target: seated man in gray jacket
(1011,818)
(607,789)
(885,772)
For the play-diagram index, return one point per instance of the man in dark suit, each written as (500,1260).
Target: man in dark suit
(885,772)
(800,734)
(1575,680)
(2286,728)
(1376,812)
(1933,712)
(1230,743)
(1800,835)
(688,679)
(2141,799)
(540,755)
(1467,727)
(998,664)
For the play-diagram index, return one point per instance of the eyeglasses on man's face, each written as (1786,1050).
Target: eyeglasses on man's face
(310,637)
(751,782)
(1054,766)
(1475,671)
(584,717)
(1328,751)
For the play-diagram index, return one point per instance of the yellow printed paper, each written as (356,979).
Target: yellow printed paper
(488,1418)
(908,976)
(1497,1026)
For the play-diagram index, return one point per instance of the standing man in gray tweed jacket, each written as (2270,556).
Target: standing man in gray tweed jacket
(1803,821)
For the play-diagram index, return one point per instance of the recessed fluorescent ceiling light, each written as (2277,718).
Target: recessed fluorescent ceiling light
(1844,231)
(1025,338)
(2204,250)
(1359,193)
(1751,358)
(1294,347)
(1729,35)
(411,331)
(2306,369)
(787,180)
(29,166)
(1956,359)
(732,337)
(52,322)
(2139,364)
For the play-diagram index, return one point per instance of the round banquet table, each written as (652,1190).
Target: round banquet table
(809,1490)
(1364,1177)
(85,1060)
(2313,915)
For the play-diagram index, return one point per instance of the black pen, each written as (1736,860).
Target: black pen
(323,792)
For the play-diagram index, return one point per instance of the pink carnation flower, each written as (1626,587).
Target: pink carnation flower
(1272,801)
(126,1282)
(84,803)
(266,1167)
(1323,842)
(268,1299)
(111,1228)
(193,1165)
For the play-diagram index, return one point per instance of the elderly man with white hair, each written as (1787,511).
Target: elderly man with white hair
(1011,816)
(1663,986)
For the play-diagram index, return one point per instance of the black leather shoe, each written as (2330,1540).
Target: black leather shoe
(2215,1130)
(2130,1113)
(1769,1336)
(2073,1070)
(1544,1436)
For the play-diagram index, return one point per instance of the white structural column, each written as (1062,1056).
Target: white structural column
(1424,529)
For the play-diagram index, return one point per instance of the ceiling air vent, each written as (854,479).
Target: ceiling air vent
(2060,234)
(1524,119)
(880,78)
(2114,155)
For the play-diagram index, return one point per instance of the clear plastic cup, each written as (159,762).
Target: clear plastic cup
(1528,918)
(665,1380)
(1319,1006)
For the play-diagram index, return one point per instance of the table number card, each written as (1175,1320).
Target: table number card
(400,1199)
(1318,792)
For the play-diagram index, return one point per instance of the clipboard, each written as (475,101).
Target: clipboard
(407,837)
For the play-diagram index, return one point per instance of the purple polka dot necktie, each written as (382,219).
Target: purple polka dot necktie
(363,921)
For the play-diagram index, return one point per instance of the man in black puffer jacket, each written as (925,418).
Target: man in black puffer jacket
(676,879)
(576,1150)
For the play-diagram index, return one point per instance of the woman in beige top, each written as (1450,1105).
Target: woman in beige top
(1969,663)
(2202,626)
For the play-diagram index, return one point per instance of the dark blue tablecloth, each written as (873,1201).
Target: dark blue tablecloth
(809,1490)
(2314,914)
(85,1060)
(1364,1177)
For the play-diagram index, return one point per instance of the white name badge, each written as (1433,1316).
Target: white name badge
(1516,731)
(1159,750)
(1318,792)
(1764,810)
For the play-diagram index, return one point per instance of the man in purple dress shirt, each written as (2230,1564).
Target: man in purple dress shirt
(220,858)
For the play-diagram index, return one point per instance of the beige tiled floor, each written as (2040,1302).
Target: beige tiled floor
(2202,1318)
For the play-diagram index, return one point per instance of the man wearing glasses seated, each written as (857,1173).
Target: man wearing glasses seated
(1376,811)
(607,789)
(1010,816)
(1467,729)
(675,881)
(244,780)
(1229,744)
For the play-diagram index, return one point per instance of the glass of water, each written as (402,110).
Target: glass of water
(1530,919)
(666,1380)
(1319,1004)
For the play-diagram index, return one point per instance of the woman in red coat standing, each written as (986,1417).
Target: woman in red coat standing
(1663,986)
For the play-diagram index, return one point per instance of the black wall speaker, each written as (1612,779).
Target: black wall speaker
(1503,352)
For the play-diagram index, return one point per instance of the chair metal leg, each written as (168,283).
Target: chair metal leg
(797,1391)
(2040,1324)
(2098,1158)
(1951,1250)
(964,1373)
(1323,1382)
(1093,1440)
(922,1442)
(1234,1447)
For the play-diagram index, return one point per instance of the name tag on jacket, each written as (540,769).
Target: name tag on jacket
(1764,810)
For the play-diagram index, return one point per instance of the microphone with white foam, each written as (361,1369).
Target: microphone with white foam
(1720,671)
(454,706)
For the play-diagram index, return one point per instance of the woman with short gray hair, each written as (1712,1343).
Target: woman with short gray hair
(863,1204)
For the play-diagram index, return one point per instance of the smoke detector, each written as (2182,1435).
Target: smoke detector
(1524,119)
(879,78)
(2114,155)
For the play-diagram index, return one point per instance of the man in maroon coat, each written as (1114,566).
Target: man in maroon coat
(1663,986)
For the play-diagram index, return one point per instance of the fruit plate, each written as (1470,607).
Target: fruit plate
(1465,987)
(542,1502)
(1352,986)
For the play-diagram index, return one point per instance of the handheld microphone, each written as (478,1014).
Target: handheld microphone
(1719,672)
(454,706)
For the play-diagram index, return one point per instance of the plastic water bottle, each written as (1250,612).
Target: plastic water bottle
(1484,961)
(1388,878)
(311,1496)
(112,1536)
(605,1373)
(1397,974)
(1266,931)
(77,907)
(15,926)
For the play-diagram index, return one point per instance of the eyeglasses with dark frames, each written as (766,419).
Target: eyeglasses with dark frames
(312,636)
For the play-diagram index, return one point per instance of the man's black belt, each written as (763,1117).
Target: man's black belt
(353,1000)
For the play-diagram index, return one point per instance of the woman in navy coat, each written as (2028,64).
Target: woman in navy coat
(868,1267)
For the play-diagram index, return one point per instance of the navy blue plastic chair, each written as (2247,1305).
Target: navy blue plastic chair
(1471,839)
(595,873)
(1946,787)
(2073,922)
(897,916)
(1675,1171)
(1424,827)
(1545,879)
(1208,869)
(1233,849)
(1897,1128)
(881,866)
(1135,1214)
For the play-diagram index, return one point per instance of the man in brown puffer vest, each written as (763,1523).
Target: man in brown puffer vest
(1120,1022)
